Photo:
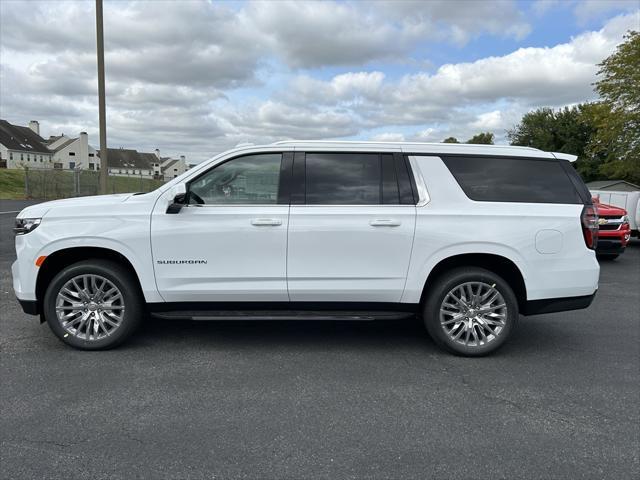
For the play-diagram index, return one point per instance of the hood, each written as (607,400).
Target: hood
(41,209)
(604,209)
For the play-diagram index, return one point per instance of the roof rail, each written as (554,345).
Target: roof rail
(368,142)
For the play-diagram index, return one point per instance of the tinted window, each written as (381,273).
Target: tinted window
(343,179)
(506,179)
(246,180)
(390,192)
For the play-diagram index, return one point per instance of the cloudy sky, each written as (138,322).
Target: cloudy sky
(198,77)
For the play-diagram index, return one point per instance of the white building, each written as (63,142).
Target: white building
(166,168)
(125,162)
(73,153)
(23,147)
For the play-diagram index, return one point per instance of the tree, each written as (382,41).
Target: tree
(450,140)
(618,120)
(567,130)
(485,138)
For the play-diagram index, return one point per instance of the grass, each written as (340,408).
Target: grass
(53,184)
(11,184)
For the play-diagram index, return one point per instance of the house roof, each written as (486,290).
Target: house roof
(64,144)
(127,158)
(23,139)
(169,164)
(610,183)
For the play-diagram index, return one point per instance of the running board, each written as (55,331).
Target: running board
(280,315)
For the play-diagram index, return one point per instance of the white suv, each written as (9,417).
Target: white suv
(467,237)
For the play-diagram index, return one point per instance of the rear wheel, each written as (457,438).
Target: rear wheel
(470,311)
(93,305)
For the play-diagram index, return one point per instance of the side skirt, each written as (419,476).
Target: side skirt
(282,311)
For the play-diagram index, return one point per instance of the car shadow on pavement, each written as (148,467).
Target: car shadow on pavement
(531,337)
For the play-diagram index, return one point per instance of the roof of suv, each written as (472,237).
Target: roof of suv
(416,147)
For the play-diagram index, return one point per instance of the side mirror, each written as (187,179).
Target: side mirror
(179,194)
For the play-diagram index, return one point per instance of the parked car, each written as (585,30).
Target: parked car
(630,201)
(614,231)
(467,237)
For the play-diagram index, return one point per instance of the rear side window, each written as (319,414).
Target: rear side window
(343,179)
(508,179)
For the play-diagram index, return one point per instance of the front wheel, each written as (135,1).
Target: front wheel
(470,311)
(93,305)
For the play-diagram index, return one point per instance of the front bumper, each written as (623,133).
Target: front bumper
(610,245)
(30,307)
(551,305)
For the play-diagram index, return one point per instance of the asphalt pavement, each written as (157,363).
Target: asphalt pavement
(325,399)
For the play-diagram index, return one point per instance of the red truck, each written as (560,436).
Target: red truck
(613,230)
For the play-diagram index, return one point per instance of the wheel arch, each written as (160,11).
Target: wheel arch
(498,264)
(56,261)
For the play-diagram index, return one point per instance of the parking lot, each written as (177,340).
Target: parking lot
(325,399)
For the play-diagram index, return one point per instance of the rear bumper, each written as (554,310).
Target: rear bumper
(551,305)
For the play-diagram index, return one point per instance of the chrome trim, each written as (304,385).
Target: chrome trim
(423,194)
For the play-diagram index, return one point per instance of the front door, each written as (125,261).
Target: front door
(350,228)
(229,243)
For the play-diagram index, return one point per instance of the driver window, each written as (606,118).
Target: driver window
(252,179)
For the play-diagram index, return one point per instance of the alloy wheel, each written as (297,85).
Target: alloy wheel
(90,307)
(473,314)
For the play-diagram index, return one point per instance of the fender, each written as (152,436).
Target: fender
(417,276)
(143,267)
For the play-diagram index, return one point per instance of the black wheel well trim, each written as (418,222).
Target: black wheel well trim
(501,266)
(64,257)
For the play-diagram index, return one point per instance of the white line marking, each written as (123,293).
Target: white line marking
(12,211)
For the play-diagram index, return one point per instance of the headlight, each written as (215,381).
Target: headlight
(26,225)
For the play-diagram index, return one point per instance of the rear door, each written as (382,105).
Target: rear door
(351,226)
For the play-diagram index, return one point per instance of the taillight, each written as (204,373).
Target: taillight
(589,220)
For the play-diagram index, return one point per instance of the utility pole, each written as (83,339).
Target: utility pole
(104,168)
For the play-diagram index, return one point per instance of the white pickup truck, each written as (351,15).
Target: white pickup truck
(466,237)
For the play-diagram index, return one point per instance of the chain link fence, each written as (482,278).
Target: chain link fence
(49,184)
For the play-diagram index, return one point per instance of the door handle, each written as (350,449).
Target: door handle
(265,222)
(384,222)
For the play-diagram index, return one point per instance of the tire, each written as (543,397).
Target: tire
(607,256)
(496,323)
(108,321)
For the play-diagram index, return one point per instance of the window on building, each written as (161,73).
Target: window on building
(40,158)
(91,154)
(21,157)
(57,166)
(28,157)
(92,166)
(10,155)
(72,165)
(72,154)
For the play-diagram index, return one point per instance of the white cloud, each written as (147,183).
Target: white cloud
(586,10)
(388,137)
(199,77)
